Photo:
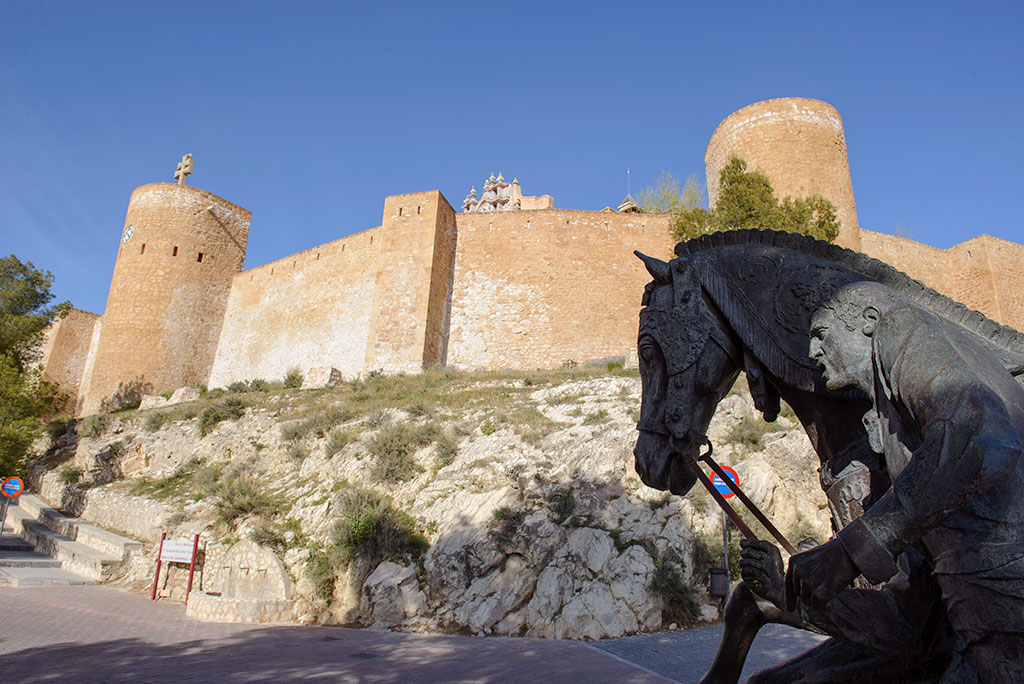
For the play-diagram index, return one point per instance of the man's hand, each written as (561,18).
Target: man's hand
(816,576)
(761,567)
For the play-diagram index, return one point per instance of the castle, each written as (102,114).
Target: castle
(512,282)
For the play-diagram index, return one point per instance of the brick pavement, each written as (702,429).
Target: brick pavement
(101,634)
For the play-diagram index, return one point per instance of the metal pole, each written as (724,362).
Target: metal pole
(3,516)
(725,545)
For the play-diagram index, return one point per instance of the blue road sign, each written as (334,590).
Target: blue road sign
(723,488)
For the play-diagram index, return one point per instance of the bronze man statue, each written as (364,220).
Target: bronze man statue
(949,419)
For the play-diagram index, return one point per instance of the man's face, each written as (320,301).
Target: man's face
(843,355)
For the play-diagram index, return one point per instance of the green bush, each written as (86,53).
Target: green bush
(749,432)
(231,408)
(154,421)
(71,474)
(678,599)
(293,379)
(338,440)
(319,423)
(321,572)
(506,513)
(392,449)
(370,527)
(259,385)
(242,496)
(613,366)
(297,452)
(488,427)
(562,505)
(599,416)
(238,387)
(446,449)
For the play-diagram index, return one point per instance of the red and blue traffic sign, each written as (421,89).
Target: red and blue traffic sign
(12,486)
(723,488)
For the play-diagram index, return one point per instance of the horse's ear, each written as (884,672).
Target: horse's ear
(656,267)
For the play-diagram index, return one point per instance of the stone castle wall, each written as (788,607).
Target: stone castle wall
(538,288)
(983,273)
(308,309)
(66,351)
(509,289)
(799,144)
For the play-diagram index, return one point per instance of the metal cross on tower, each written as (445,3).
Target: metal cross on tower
(184,169)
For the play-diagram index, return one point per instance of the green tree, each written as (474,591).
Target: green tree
(24,397)
(24,314)
(746,199)
(667,197)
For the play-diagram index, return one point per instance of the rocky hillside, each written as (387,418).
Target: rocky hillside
(479,503)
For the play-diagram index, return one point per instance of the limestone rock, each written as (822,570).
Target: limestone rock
(321,376)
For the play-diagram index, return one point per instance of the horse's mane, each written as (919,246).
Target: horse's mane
(1000,338)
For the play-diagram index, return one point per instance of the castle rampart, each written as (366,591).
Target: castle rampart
(308,309)
(66,351)
(534,289)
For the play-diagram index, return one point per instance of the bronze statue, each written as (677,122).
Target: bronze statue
(743,301)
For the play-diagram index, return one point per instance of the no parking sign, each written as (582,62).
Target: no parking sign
(721,486)
(10,487)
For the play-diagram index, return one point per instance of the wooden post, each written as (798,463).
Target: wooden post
(156,577)
(192,567)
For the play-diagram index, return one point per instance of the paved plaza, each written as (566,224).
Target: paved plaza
(102,634)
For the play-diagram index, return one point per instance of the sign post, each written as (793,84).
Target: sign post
(11,487)
(176,551)
(727,493)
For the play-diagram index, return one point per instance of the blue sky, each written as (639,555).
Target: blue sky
(309,114)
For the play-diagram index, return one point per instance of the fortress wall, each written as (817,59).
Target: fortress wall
(66,350)
(411,285)
(537,288)
(927,264)
(799,144)
(988,275)
(1006,271)
(308,309)
(983,273)
(169,291)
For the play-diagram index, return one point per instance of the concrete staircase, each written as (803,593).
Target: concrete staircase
(51,548)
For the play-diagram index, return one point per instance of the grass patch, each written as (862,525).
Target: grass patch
(392,449)
(338,440)
(446,449)
(230,408)
(596,417)
(190,478)
(749,432)
(319,423)
(96,425)
(321,572)
(239,497)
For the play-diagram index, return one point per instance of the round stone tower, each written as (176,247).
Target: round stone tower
(799,144)
(179,250)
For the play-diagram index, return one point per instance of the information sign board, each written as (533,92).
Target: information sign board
(176,551)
